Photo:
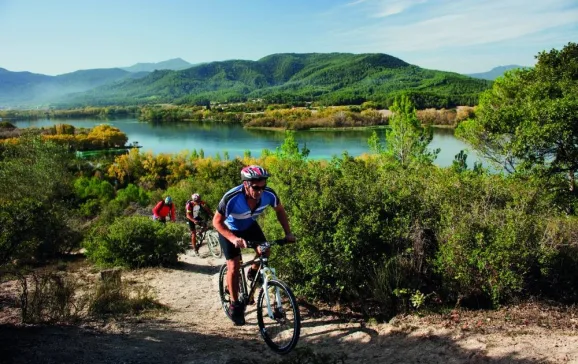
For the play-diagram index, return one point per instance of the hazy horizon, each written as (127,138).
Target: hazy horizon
(463,36)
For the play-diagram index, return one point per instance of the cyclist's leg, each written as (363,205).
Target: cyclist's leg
(192,228)
(232,255)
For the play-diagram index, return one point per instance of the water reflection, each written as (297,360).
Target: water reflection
(218,138)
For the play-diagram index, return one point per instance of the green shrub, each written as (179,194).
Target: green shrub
(35,196)
(126,202)
(136,241)
(93,187)
(132,193)
(489,235)
(558,276)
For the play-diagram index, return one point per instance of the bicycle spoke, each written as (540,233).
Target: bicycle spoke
(224,290)
(278,317)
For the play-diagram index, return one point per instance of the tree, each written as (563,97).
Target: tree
(406,140)
(528,121)
(290,148)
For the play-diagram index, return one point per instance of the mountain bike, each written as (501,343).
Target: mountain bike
(205,234)
(277,309)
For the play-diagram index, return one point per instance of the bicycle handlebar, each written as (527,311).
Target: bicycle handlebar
(253,244)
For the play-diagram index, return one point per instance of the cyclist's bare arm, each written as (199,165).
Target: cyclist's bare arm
(219,225)
(284,221)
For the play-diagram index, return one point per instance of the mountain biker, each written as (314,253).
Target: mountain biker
(163,209)
(235,220)
(193,208)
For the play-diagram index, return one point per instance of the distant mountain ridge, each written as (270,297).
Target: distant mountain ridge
(494,72)
(25,88)
(174,64)
(330,78)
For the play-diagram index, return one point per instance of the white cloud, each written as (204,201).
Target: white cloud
(384,8)
(356,2)
(387,8)
(444,24)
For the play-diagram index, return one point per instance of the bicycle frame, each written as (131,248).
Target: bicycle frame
(267,273)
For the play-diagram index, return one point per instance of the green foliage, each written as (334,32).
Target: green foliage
(126,202)
(93,194)
(135,241)
(35,187)
(459,163)
(369,230)
(526,122)
(407,141)
(290,149)
(130,194)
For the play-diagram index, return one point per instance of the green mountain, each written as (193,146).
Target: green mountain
(171,64)
(331,78)
(494,72)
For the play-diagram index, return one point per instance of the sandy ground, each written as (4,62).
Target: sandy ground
(195,330)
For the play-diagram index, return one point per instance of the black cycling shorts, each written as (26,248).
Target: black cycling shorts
(253,233)
(193,226)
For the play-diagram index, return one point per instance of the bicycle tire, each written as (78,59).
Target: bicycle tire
(280,333)
(214,246)
(224,292)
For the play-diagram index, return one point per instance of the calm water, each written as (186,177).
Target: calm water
(213,139)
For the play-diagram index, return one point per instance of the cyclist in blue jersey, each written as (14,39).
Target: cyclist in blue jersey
(235,220)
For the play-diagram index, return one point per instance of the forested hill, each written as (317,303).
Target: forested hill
(329,78)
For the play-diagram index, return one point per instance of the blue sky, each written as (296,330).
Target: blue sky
(466,36)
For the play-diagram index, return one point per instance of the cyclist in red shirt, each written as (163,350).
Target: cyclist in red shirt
(163,209)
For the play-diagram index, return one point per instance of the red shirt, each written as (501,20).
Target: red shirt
(162,210)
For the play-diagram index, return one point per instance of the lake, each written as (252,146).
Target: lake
(218,138)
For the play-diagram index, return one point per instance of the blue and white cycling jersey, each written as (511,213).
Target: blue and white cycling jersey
(234,206)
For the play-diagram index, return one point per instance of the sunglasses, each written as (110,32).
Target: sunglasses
(258,188)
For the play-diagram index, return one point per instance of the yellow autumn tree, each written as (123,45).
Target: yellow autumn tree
(106,136)
(127,167)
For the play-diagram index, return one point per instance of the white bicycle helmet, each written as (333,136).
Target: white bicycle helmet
(254,173)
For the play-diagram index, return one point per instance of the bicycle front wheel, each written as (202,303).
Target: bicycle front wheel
(278,317)
(214,245)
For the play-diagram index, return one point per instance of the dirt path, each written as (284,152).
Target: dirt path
(196,330)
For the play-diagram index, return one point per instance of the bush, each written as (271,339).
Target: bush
(50,297)
(34,198)
(136,241)
(115,298)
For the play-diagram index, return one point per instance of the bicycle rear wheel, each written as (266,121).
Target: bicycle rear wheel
(282,328)
(224,290)
(214,245)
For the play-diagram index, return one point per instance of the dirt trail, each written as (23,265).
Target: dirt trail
(196,330)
